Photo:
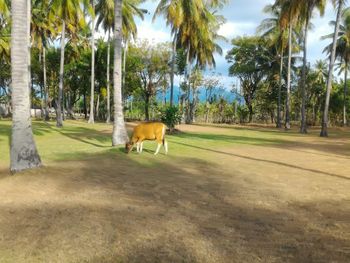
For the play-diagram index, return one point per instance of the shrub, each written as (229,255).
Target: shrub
(171,116)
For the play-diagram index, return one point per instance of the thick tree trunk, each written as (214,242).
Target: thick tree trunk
(345,94)
(46,89)
(92,91)
(108,119)
(303,127)
(250,108)
(24,154)
(324,132)
(85,108)
(287,122)
(59,120)
(279,119)
(147,99)
(120,135)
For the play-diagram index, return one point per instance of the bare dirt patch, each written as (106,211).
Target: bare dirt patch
(287,202)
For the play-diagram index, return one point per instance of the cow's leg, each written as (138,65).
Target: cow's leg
(141,146)
(138,147)
(158,147)
(166,146)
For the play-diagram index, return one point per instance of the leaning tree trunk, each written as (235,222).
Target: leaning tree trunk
(59,121)
(279,122)
(108,120)
(24,154)
(303,128)
(92,92)
(46,90)
(324,132)
(287,123)
(345,94)
(120,135)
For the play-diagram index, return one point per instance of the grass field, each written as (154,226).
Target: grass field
(223,194)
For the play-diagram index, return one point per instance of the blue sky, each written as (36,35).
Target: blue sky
(243,17)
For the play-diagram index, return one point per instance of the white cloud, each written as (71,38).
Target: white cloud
(232,29)
(147,30)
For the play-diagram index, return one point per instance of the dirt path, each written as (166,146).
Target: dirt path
(286,202)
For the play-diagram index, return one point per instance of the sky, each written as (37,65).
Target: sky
(242,18)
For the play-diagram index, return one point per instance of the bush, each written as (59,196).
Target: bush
(171,116)
(242,113)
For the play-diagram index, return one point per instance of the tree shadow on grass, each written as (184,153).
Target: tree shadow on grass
(265,161)
(112,208)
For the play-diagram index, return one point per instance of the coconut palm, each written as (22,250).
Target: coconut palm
(105,12)
(290,11)
(178,13)
(92,93)
(42,29)
(70,14)
(342,52)
(120,135)
(277,37)
(24,154)
(307,9)
(339,5)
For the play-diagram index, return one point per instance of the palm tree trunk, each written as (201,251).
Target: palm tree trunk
(46,90)
(287,123)
(172,73)
(108,120)
(279,122)
(92,92)
(59,121)
(345,94)
(124,67)
(324,132)
(188,63)
(120,135)
(24,154)
(303,128)
(98,106)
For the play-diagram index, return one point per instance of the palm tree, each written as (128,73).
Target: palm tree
(105,12)
(91,117)
(24,154)
(178,13)
(342,52)
(71,16)
(120,135)
(339,4)
(276,36)
(42,29)
(307,8)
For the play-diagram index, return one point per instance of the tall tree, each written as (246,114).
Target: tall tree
(120,135)
(306,13)
(92,91)
(339,4)
(342,52)
(24,154)
(274,33)
(105,12)
(70,14)
(290,11)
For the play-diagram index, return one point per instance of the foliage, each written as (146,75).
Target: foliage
(171,116)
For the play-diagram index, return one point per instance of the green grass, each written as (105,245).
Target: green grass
(77,140)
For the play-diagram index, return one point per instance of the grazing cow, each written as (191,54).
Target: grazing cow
(153,131)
